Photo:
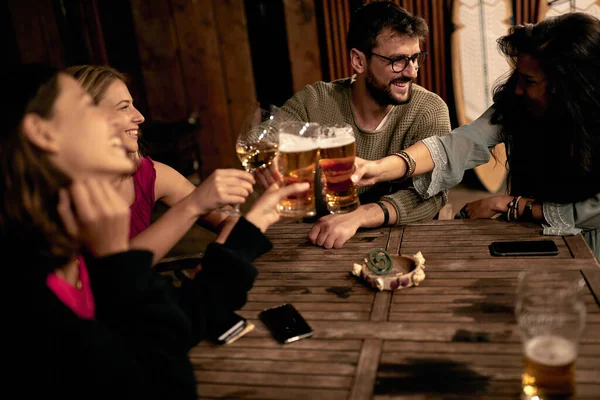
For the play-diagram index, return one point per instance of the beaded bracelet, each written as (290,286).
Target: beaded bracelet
(411,163)
(516,208)
(510,209)
(512,212)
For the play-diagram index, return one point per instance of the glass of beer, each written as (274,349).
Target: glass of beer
(551,316)
(296,163)
(337,147)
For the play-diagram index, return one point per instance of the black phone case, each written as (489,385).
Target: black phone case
(495,251)
(283,328)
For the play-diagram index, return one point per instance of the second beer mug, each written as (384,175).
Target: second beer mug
(551,316)
(298,152)
(337,154)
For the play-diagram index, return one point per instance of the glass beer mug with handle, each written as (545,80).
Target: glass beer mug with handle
(337,151)
(257,144)
(296,163)
(551,315)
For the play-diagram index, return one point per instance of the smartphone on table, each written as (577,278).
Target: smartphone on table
(234,327)
(285,323)
(524,248)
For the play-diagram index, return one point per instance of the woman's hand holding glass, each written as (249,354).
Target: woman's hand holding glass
(257,144)
(223,187)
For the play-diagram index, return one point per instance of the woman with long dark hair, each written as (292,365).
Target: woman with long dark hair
(548,115)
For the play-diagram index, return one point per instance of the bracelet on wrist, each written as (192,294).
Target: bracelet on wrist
(386,213)
(528,211)
(411,164)
(516,208)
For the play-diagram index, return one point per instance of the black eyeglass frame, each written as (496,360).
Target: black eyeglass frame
(406,59)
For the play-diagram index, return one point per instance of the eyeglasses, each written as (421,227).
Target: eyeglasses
(399,64)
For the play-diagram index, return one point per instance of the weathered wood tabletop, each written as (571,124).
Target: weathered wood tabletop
(452,337)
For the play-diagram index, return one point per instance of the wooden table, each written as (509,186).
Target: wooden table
(452,337)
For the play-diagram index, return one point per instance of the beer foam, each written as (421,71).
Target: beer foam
(293,143)
(551,350)
(337,141)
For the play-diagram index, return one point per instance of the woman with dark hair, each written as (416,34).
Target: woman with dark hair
(77,329)
(548,115)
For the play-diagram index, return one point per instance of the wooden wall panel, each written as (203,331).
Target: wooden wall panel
(202,70)
(237,61)
(88,19)
(303,42)
(336,14)
(160,65)
(37,33)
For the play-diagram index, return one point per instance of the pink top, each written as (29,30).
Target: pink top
(80,301)
(141,209)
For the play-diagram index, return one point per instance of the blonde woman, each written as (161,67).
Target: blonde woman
(154,181)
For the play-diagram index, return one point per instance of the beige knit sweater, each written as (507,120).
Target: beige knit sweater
(424,115)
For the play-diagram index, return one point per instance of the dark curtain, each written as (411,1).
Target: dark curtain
(529,11)
(436,75)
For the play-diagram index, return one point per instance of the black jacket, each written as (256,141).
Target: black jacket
(137,347)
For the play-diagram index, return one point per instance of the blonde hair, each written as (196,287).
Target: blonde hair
(95,79)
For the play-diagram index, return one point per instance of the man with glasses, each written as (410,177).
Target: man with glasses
(387,111)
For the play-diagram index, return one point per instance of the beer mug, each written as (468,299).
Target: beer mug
(551,315)
(296,163)
(337,148)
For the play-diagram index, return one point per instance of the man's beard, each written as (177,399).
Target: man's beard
(382,93)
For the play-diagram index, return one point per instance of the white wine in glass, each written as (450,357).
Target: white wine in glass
(256,155)
(257,144)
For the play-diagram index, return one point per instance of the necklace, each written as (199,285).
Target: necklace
(65,276)
(78,283)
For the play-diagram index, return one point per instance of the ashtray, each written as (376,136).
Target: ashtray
(383,271)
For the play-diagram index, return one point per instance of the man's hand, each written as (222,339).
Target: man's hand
(268,175)
(334,230)
(485,208)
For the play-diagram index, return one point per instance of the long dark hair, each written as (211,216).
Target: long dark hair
(30,228)
(555,157)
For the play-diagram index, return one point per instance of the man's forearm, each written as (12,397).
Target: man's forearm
(410,207)
(372,216)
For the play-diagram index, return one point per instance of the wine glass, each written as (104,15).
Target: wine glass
(257,143)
